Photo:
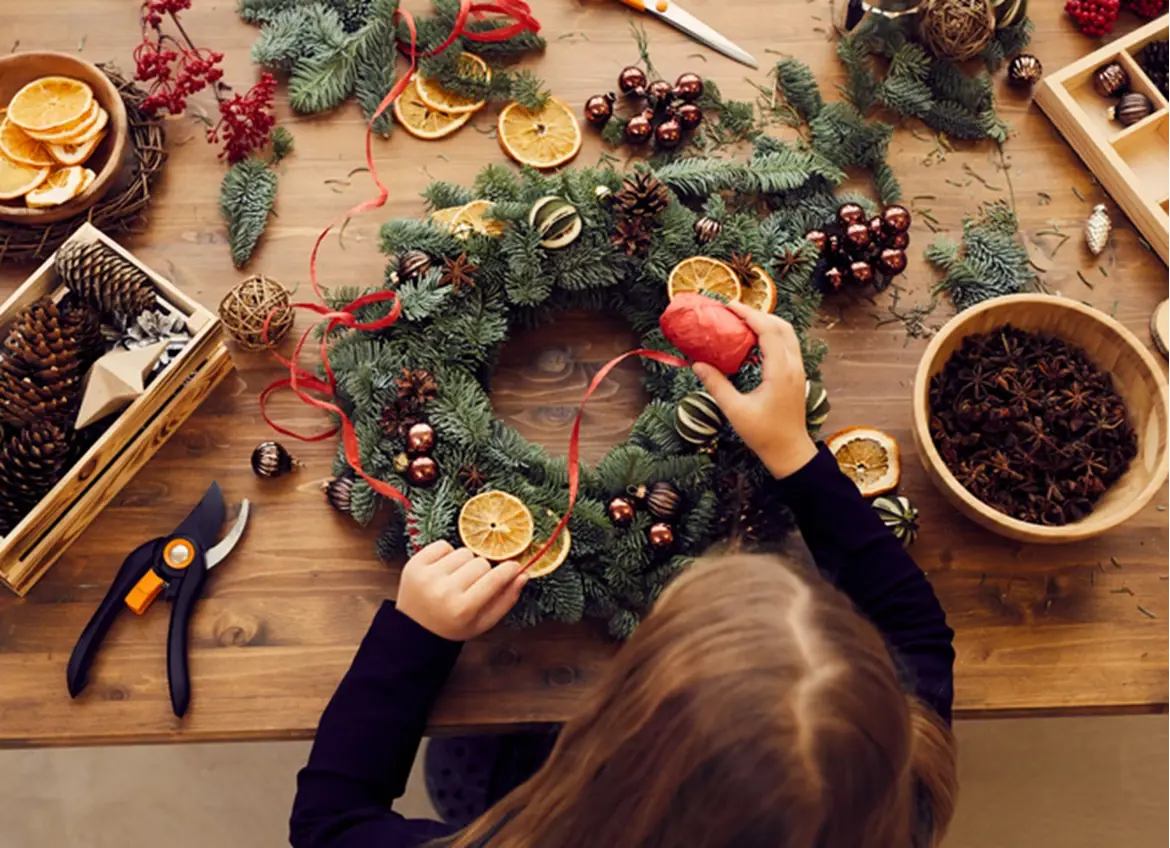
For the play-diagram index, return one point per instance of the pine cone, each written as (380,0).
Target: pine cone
(631,236)
(400,415)
(31,463)
(104,280)
(46,354)
(417,385)
(641,196)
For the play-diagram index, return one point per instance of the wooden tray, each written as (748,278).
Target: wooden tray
(1131,162)
(45,533)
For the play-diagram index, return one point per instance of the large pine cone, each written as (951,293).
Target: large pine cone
(641,195)
(31,463)
(43,361)
(104,280)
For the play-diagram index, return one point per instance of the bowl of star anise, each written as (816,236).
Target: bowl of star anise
(1041,419)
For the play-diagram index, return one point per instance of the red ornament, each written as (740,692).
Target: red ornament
(707,331)
(1093,17)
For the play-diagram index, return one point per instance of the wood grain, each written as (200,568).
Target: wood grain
(1038,631)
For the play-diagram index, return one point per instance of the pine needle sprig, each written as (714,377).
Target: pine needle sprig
(246,198)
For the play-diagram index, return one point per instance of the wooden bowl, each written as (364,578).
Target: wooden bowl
(19,69)
(1137,377)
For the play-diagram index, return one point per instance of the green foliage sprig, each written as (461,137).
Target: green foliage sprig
(336,49)
(989,263)
(247,195)
(915,84)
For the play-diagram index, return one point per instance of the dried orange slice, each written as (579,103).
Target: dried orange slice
(18,147)
(496,525)
(470,219)
(420,120)
(88,176)
(60,186)
(552,559)
(49,103)
(74,154)
(17,180)
(545,138)
(70,129)
(704,274)
(759,292)
(868,457)
(438,98)
(90,128)
(445,217)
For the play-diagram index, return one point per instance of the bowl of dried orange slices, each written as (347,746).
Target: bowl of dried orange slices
(63,134)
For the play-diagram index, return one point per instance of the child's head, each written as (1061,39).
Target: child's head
(752,707)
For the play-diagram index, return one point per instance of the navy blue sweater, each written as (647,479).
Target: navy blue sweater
(370,732)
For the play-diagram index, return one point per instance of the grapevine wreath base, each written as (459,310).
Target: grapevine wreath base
(123,209)
(604,243)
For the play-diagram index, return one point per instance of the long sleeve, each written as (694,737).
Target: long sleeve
(367,740)
(864,560)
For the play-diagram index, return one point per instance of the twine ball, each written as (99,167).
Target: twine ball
(956,29)
(244,309)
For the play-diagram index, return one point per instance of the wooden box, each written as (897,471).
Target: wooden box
(1131,162)
(135,435)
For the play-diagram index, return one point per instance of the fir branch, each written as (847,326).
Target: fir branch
(799,88)
(246,197)
(990,262)
(282,142)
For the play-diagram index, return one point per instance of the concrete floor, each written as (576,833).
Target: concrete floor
(1073,783)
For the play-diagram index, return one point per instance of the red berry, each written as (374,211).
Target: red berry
(1096,17)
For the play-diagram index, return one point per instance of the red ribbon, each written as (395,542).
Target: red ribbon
(301,381)
(575,436)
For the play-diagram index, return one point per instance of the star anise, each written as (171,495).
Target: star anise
(631,236)
(743,266)
(472,478)
(458,273)
(786,261)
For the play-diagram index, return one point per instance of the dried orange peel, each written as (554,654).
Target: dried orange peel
(868,457)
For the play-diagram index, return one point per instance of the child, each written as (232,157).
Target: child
(756,705)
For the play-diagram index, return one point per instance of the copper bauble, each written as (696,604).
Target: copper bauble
(663,500)
(892,261)
(896,218)
(660,92)
(661,535)
(857,238)
(850,213)
(339,492)
(632,80)
(621,511)
(668,134)
(689,115)
(638,130)
(599,109)
(818,238)
(422,471)
(1024,71)
(688,87)
(899,240)
(420,439)
(877,229)
(834,279)
(1111,80)
(861,273)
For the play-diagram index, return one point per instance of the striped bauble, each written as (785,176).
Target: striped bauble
(816,403)
(698,419)
(901,516)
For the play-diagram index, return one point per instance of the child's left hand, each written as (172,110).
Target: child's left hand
(455,594)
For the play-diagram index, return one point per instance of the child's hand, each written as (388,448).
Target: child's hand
(771,418)
(455,594)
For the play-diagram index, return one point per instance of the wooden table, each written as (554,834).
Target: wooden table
(1037,631)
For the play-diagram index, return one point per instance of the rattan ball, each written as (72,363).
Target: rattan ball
(245,308)
(956,29)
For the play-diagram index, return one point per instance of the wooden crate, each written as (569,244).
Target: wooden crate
(134,437)
(1131,162)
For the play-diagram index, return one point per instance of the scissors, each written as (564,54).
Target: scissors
(680,19)
(175,566)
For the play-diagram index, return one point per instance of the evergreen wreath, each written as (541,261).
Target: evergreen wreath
(462,293)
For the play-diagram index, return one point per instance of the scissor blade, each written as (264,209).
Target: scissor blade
(683,20)
(216,555)
(206,520)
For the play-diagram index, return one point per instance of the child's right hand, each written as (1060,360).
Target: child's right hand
(771,418)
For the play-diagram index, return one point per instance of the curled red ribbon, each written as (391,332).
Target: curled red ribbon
(301,381)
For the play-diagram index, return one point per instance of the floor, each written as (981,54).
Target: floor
(1075,783)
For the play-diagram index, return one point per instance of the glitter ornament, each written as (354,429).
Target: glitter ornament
(1097,229)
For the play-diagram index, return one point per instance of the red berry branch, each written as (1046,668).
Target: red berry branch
(177,69)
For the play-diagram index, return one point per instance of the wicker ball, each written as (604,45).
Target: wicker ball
(244,309)
(956,29)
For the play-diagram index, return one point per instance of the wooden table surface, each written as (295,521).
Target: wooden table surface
(1037,631)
